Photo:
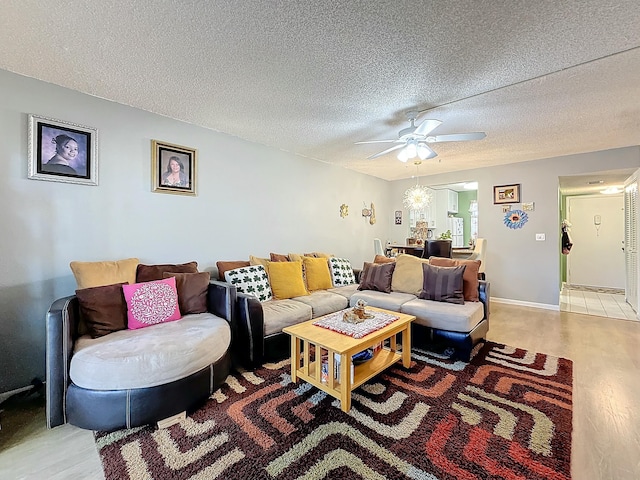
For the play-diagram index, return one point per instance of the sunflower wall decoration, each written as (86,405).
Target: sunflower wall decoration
(515,219)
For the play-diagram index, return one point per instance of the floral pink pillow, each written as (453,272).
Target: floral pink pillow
(151,303)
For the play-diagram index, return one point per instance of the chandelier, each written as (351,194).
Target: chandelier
(418,196)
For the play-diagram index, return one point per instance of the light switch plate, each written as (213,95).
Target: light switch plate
(540,237)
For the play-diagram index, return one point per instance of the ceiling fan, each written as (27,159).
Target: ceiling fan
(413,141)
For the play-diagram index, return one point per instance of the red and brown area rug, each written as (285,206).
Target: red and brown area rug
(507,414)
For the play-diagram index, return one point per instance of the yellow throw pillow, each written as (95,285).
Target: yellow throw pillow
(408,276)
(259,261)
(286,280)
(317,273)
(323,255)
(98,274)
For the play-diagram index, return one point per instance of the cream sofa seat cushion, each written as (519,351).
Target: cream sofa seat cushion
(323,302)
(279,314)
(150,356)
(346,291)
(445,316)
(388,301)
(408,276)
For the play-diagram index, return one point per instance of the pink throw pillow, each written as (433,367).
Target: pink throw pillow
(151,303)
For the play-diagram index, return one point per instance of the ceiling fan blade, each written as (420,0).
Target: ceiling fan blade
(384,152)
(425,152)
(376,141)
(426,127)
(456,137)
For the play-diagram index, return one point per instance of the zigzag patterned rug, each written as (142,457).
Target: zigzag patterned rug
(507,414)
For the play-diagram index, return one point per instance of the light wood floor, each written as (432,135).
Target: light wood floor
(606,422)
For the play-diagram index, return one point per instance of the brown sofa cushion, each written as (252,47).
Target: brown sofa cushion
(149,273)
(470,278)
(230,265)
(103,309)
(277,257)
(383,259)
(192,291)
(377,277)
(443,284)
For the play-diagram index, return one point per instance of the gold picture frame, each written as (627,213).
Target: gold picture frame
(173,168)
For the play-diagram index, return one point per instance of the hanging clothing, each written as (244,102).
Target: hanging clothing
(566,241)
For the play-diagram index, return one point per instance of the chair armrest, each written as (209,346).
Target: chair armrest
(249,341)
(221,299)
(483,292)
(61,327)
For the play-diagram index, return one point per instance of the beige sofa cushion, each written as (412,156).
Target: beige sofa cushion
(150,356)
(389,301)
(97,274)
(445,316)
(283,313)
(407,276)
(323,302)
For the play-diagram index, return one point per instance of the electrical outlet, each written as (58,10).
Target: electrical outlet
(540,237)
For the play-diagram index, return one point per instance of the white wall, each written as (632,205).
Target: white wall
(518,267)
(251,200)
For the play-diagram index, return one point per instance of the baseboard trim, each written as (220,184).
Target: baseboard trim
(508,301)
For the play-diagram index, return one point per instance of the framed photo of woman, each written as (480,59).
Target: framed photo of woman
(173,168)
(61,151)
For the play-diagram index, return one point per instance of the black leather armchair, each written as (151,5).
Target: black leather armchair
(115,409)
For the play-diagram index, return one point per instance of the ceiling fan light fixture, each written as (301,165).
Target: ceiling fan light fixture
(423,151)
(412,150)
(402,156)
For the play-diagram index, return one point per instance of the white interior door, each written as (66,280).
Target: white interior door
(597,232)
(631,240)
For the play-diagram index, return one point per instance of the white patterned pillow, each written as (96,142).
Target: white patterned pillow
(341,272)
(252,280)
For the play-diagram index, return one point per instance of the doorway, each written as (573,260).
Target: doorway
(597,233)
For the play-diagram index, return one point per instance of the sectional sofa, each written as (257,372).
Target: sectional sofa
(258,335)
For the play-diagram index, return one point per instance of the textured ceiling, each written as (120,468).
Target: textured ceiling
(541,78)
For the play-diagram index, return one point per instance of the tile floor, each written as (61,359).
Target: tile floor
(603,304)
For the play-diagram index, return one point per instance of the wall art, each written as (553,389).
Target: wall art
(61,151)
(506,194)
(516,219)
(173,168)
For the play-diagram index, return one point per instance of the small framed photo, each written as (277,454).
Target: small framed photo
(506,208)
(173,168)
(61,151)
(398,217)
(506,194)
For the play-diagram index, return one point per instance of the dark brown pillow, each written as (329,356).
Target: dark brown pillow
(442,284)
(377,277)
(148,273)
(192,291)
(103,309)
(276,257)
(470,279)
(230,265)
(383,259)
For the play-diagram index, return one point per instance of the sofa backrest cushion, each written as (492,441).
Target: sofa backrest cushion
(259,261)
(383,259)
(151,303)
(97,274)
(286,280)
(443,284)
(252,280)
(377,277)
(341,272)
(149,273)
(407,276)
(470,274)
(278,257)
(229,265)
(103,309)
(316,273)
(192,291)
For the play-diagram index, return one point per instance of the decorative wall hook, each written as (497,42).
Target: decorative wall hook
(344,210)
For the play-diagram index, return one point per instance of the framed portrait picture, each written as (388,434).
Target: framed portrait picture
(61,151)
(173,168)
(506,194)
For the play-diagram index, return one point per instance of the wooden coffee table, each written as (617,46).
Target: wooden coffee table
(306,335)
